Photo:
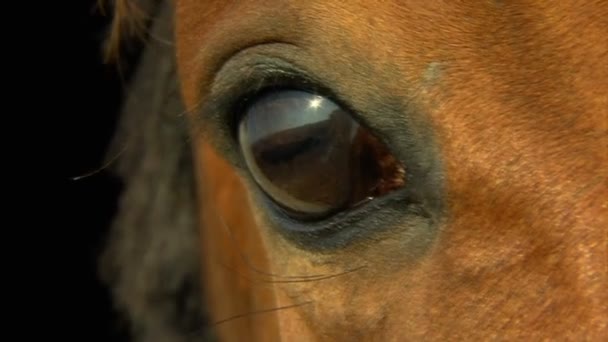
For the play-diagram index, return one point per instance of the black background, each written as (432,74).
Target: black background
(88,97)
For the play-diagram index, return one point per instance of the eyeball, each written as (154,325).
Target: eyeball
(311,157)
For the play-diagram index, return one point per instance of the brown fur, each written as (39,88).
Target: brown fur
(519,108)
(515,93)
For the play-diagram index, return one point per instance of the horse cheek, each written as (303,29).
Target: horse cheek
(233,253)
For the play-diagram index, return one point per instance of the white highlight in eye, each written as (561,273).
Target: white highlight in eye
(315,103)
(285,109)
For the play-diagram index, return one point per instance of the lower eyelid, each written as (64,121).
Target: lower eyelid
(355,226)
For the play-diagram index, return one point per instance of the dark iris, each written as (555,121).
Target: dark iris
(311,157)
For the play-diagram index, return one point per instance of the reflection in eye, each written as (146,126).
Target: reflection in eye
(311,157)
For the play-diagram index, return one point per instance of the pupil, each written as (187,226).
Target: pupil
(311,157)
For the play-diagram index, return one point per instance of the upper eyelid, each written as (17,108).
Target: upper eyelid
(238,98)
(242,79)
(239,82)
(272,62)
(235,82)
(252,77)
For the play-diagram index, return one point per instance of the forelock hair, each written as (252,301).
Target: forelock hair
(151,258)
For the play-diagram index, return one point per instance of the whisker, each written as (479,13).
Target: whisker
(103,167)
(161,40)
(287,281)
(259,312)
(248,314)
(320,278)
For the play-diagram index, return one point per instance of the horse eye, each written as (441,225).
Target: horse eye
(311,157)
